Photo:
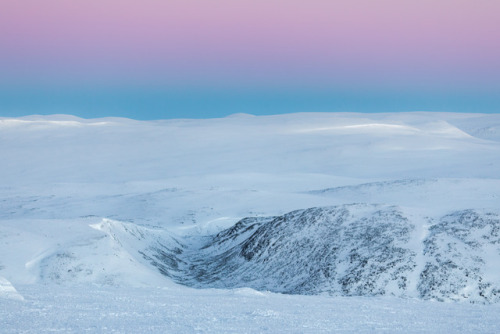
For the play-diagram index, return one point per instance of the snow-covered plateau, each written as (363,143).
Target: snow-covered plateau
(306,223)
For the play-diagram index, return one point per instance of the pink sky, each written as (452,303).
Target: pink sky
(355,42)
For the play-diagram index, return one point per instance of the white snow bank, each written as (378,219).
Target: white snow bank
(8,291)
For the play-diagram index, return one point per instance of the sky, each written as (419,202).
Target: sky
(156,59)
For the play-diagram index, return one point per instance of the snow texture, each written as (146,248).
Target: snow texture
(313,222)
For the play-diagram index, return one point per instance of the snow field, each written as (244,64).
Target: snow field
(80,198)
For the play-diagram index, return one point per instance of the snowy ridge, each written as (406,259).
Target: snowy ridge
(109,258)
(348,250)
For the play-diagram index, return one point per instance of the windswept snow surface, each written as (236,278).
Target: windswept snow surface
(82,309)
(387,222)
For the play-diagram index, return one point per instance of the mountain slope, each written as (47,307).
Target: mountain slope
(463,250)
(356,249)
(348,250)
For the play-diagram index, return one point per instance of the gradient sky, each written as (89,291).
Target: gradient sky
(208,58)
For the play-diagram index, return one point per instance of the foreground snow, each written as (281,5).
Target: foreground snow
(181,310)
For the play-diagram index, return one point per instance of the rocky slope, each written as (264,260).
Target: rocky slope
(348,250)
(463,255)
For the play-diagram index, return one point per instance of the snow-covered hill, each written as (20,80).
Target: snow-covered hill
(348,250)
